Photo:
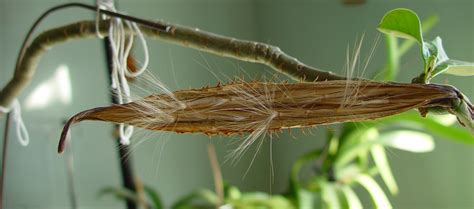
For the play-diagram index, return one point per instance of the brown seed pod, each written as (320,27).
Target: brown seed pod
(258,107)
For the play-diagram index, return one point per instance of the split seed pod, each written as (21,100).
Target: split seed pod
(258,107)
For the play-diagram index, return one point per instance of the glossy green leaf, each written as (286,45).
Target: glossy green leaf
(232,192)
(119,193)
(294,179)
(436,54)
(333,142)
(414,120)
(353,201)
(426,25)
(307,199)
(155,198)
(380,159)
(126,194)
(403,23)
(304,198)
(356,136)
(395,51)
(444,119)
(444,64)
(454,67)
(204,195)
(412,141)
(260,200)
(430,53)
(352,135)
(376,193)
(351,150)
(330,196)
(348,173)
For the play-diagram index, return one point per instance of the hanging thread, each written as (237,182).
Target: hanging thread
(121,44)
(21,131)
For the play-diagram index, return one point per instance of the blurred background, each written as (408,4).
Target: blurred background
(73,77)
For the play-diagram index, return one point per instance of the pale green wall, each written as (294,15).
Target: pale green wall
(317,32)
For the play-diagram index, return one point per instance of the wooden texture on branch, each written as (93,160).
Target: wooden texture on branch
(188,37)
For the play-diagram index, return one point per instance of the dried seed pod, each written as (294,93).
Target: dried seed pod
(258,107)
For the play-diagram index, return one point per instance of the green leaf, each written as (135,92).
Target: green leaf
(444,119)
(395,53)
(330,196)
(454,67)
(376,193)
(430,53)
(412,141)
(414,120)
(304,198)
(126,194)
(351,149)
(204,194)
(260,200)
(381,161)
(307,199)
(119,193)
(333,142)
(403,23)
(426,26)
(433,54)
(442,62)
(351,197)
(348,173)
(232,192)
(155,198)
(355,136)
(294,179)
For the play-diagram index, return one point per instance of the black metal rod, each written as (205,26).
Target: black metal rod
(123,150)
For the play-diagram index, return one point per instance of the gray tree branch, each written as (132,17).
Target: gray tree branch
(188,37)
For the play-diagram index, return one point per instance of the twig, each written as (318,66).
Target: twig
(216,172)
(23,76)
(185,36)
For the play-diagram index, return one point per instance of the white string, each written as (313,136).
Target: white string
(97,18)
(121,44)
(16,118)
(145,52)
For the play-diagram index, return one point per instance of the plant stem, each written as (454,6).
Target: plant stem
(393,58)
(217,174)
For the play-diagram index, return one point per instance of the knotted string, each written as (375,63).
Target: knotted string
(15,111)
(121,44)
